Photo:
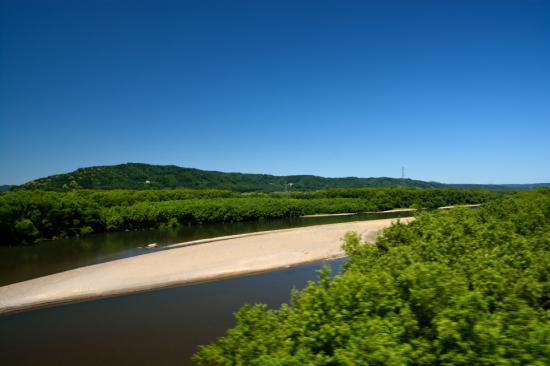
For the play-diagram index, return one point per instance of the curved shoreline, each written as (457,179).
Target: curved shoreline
(188,263)
(395,210)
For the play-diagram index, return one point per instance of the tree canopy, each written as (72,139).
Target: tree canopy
(463,287)
(30,216)
(146,176)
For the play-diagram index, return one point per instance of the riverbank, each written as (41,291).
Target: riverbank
(395,210)
(29,217)
(217,258)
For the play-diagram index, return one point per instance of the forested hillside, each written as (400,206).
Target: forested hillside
(145,176)
(462,287)
(5,187)
(30,216)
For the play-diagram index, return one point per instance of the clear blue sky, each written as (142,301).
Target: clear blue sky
(455,91)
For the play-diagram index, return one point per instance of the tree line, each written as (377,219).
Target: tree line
(28,216)
(461,287)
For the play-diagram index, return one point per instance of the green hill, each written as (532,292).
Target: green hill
(5,187)
(146,176)
(143,176)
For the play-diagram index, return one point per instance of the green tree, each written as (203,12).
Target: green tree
(463,287)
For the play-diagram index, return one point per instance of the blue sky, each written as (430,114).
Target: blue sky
(455,91)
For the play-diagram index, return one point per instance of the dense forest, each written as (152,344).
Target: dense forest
(28,216)
(145,176)
(461,287)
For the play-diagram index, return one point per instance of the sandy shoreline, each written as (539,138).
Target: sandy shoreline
(187,263)
(395,210)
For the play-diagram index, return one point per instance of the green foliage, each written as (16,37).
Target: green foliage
(462,287)
(5,187)
(25,230)
(85,230)
(27,216)
(145,176)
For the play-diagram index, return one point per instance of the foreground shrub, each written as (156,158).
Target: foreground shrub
(452,288)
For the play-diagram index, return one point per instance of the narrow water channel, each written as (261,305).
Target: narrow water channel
(162,327)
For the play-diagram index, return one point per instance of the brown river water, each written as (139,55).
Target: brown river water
(161,327)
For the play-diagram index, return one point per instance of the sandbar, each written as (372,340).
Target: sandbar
(187,263)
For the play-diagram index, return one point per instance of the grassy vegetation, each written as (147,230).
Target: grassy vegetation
(463,287)
(30,216)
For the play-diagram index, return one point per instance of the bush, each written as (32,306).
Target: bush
(86,230)
(463,287)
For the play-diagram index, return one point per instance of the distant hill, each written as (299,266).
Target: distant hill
(5,187)
(144,176)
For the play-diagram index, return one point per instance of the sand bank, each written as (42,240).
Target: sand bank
(395,210)
(188,263)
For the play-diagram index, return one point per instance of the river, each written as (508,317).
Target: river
(20,263)
(162,327)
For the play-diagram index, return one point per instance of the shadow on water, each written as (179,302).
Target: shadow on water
(162,327)
(25,262)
